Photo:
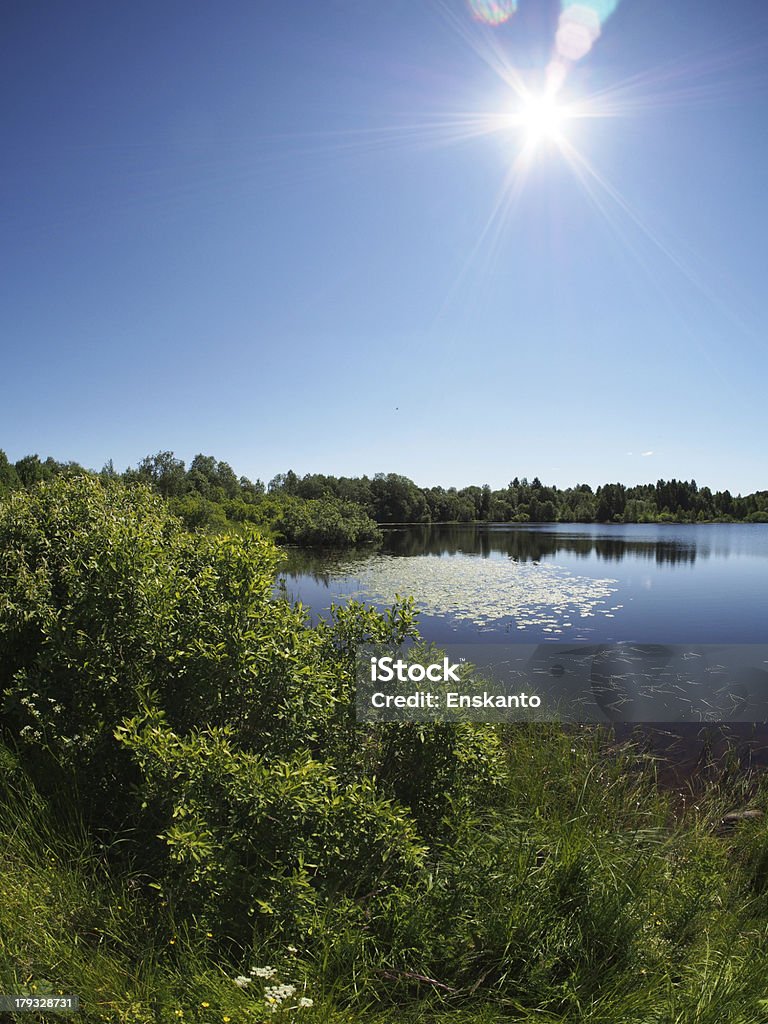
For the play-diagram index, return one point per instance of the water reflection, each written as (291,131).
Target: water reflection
(518,543)
(671,583)
(527,545)
(323,565)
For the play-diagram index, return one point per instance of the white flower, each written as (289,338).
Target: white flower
(292,949)
(241,981)
(277,993)
(263,972)
(304,1003)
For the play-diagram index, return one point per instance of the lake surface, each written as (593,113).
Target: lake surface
(650,583)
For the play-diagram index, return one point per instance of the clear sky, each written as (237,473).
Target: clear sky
(316,235)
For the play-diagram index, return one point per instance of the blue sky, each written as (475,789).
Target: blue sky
(262,231)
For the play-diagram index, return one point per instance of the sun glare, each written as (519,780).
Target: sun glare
(541,118)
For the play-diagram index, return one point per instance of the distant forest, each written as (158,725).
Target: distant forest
(316,509)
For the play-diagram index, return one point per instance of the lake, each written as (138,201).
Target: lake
(648,583)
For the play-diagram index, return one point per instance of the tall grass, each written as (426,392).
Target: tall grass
(583,894)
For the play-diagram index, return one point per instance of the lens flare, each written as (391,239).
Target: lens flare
(580,25)
(493,12)
(577,32)
(602,8)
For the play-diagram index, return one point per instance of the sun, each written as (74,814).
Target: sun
(540,117)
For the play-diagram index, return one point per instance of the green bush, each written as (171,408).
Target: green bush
(106,602)
(199,513)
(157,669)
(256,842)
(324,522)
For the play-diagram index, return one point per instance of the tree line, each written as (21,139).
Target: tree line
(321,509)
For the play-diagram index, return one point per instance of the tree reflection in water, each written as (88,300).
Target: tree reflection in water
(527,545)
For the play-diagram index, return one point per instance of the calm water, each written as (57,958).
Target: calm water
(647,583)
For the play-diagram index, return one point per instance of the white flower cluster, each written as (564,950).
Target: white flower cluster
(274,995)
(277,993)
(263,972)
(29,733)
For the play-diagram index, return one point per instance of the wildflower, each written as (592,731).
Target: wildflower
(242,982)
(304,1003)
(206,1005)
(277,993)
(292,950)
(209,935)
(263,972)
(226,1019)
(179,1013)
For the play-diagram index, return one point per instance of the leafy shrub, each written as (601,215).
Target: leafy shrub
(158,669)
(250,836)
(199,513)
(107,602)
(324,522)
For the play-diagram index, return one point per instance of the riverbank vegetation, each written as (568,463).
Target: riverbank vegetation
(195,828)
(329,511)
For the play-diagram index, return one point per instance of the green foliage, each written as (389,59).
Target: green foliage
(84,582)
(576,897)
(251,837)
(323,522)
(156,668)
(396,499)
(184,785)
(106,601)
(164,473)
(393,498)
(199,513)
(322,510)
(9,478)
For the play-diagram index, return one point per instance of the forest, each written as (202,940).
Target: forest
(321,510)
